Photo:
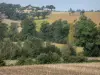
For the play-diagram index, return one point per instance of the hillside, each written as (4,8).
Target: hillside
(95,16)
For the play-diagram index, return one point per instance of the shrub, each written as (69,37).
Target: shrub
(74,59)
(9,49)
(52,49)
(32,47)
(2,63)
(55,57)
(30,61)
(21,61)
(44,58)
(26,61)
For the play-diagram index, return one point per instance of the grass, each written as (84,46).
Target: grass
(53,69)
(38,24)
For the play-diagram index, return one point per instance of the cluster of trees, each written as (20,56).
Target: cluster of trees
(47,7)
(10,11)
(87,35)
(55,32)
(51,7)
(31,44)
(42,11)
(40,14)
(16,12)
(79,10)
(71,11)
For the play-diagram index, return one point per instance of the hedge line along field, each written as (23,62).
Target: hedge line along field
(53,69)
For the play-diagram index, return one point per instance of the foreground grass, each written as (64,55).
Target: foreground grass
(53,69)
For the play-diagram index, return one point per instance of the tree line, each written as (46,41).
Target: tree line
(16,11)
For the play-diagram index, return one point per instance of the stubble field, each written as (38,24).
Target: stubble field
(53,69)
(94,16)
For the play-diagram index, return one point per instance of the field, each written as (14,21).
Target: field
(53,69)
(95,16)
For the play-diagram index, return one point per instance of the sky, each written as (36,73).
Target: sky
(61,5)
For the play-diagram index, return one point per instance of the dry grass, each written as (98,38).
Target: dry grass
(95,16)
(57,69)
(8,22)
(94,58)
(60,46)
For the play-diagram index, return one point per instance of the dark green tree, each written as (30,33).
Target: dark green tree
(61,31)
(9,50)
(13,32)
(42,8)
(56,32)
(28,28)
(44,14)
(86,35)
(38,14)
(51,7)
(44,30)
(82,12)
(32,47)
(3,31)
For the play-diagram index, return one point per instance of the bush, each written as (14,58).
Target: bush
(44,58)
(2,63)
(52,49)
(74,59)
(9,49)
(55,58)
(29,61)
(21,61)
(32,48)
(26,61)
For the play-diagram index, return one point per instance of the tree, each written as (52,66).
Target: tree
(42,8)
(32,47)
(71,11)
(37,8)
(10,10)
(82,12)
(44,14)
(28,28)
(13,32)
(86,36)
(38,14)
(44,30)
(1,17)
(3,31)
(51,7)
(61,31)
(9,50)
(56,32)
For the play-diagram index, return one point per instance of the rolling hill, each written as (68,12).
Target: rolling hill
(94,16)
